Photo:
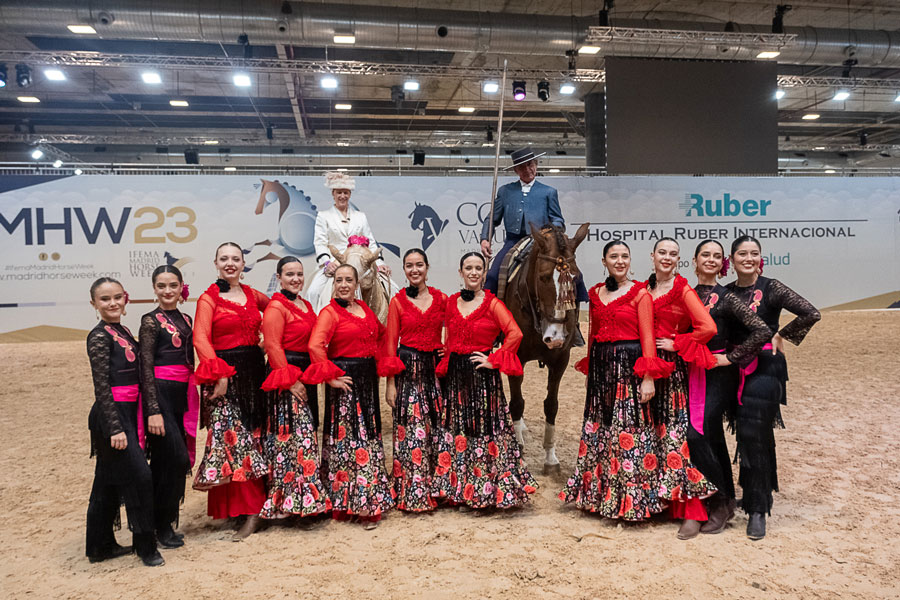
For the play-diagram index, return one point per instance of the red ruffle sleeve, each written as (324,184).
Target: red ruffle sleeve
(322,369)
(388,363)
(692,346)
(283,374)
(649,363)
(505,358)
(583,365)
(694,352)
(211,368)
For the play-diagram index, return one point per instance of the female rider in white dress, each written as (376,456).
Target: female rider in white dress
(334,227)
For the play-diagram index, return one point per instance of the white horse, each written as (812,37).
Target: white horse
(376,289)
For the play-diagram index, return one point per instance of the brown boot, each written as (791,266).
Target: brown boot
(718,515)
(689,529)
(250,526)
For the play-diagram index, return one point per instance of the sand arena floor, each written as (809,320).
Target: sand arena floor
(833,534)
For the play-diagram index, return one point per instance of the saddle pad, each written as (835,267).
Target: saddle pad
(512,263)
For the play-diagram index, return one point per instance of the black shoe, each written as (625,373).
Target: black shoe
(153,560)
(169,539)
(756,526)
(113,552)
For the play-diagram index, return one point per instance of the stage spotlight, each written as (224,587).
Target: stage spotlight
(519,90)
(242,80)
(567,88)
(151,77)
(54,75)
(841,95)
(37,154)
(57,163)
(270,131)
(3,76)
(329,83)
(23,75)
(411,86)
(543,90)
(863,138)
(490,87)
(779,94)
(78,171)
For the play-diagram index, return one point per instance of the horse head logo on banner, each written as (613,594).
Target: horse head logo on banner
(426,219)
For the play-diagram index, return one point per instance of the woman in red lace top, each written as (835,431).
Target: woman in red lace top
(479,461)
(343,347)
(231,369)
(290,445)
(682,327)
(415,322)
(617,469)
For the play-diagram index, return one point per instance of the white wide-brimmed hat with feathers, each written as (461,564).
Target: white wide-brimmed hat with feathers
(337,180)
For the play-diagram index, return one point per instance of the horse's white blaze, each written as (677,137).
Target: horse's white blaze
(555,333)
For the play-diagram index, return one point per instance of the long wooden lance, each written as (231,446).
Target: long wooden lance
(497,156)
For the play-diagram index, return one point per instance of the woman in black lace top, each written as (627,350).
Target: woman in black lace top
(167,367)
(762,389)
(117,434)
(706,436)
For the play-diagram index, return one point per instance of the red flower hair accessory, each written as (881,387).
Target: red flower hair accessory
(358,240)
(126,297)
(726,263)
(185,291)
(762,262)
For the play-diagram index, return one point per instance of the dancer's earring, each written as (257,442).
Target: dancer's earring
(242,276)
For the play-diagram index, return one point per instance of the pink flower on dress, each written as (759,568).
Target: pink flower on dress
(288,503)
(308,500)
(420,433)
(360,480)
(588,427)
(211,473)
(627,466)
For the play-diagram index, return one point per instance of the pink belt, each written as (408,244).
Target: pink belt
(697,393)
(748,371)
(132,393)
(184,374)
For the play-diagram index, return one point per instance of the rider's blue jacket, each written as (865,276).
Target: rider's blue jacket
(517,210)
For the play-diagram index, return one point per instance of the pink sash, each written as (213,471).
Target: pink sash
(132,393)
(748,371)
(183,374)
(697,393)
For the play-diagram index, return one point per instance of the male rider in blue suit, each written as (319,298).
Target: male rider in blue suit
(518,205)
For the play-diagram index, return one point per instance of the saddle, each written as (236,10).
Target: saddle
(512,263)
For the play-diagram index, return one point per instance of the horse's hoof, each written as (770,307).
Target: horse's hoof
(552,469)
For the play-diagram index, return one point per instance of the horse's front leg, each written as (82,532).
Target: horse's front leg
(555,372)
(517,407)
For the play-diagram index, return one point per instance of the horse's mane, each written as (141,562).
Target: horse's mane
(559,234)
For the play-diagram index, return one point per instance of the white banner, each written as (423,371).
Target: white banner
(834,240)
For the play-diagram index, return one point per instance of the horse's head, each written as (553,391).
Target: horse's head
(552,281)
(362,259)
(417,217)
(271,192)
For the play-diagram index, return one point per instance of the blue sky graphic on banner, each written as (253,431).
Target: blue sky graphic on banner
(835,240)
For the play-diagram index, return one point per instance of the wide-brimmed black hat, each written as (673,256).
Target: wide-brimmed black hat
(523,156)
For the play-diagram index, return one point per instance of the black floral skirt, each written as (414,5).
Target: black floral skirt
(679,479)
(353,467)
(416,413)
(617,469)
(234,422)
(292,452)
(479,461)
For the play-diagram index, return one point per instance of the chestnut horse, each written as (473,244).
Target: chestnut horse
(541,297)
